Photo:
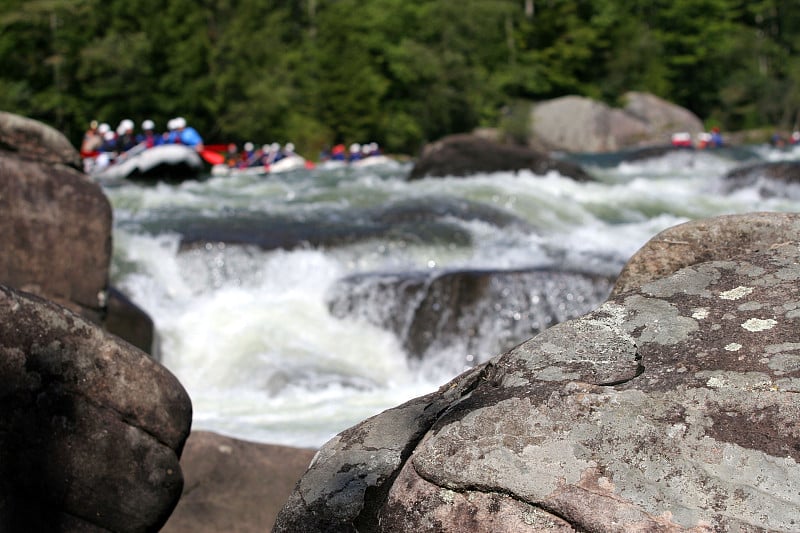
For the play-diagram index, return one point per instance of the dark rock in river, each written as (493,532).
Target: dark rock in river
(672,407)
(464,155)
(771,178)
(55,224)
(432,219)
(234,485)
(476,313)
(91,428)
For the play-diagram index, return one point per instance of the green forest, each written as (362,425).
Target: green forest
(397,72)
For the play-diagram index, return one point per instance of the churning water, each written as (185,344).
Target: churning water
(292,306)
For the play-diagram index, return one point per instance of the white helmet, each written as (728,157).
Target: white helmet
(102,128)
(171,124)
(265,147)
(248,146)
(148,125)
(275,147)
(121,129)
(125,125)
(109,135)
(355,148)
(180,122)
(289,147)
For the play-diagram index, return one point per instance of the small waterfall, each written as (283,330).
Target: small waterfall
(474,313)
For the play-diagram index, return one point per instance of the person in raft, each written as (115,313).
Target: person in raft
(148,135)
(187,135)
(125,137)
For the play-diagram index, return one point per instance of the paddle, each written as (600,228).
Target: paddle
(211,157)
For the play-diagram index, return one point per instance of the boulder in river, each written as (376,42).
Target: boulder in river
(32,140)
(464,155)
(475,313)
(771,179)
(671,407)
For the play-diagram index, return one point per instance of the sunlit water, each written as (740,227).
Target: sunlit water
(247,328)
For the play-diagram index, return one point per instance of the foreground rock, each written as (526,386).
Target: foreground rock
(55,225)
(464,155)
(234,485)
(579,124)
(672,407)
(31,140)
(698,241)
(91,428)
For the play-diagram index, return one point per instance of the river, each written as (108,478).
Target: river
(241,275)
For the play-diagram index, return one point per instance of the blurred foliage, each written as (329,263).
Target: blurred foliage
(398,72)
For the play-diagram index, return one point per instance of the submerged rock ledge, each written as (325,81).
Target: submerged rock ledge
(672,407)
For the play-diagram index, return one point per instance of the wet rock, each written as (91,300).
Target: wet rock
(431,219)
(464,155)
(234,485)
(477,313)
(771,179)
(787,171)
(91,428)
(672,407)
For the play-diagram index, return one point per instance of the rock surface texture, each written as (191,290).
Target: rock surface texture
(671,407)
(91,428)
(55,223)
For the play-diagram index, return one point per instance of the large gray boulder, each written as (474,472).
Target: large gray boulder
(662,118)
(671,407)
(579,124)
(91,428)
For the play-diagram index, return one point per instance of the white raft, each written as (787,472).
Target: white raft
(287,164)
(163,162)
